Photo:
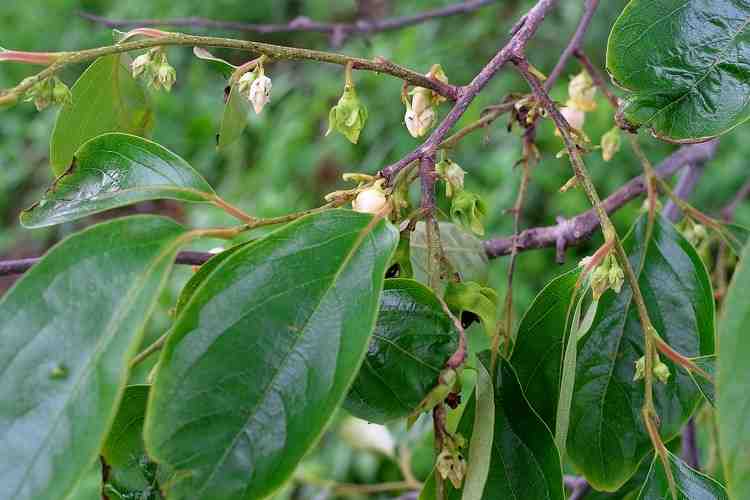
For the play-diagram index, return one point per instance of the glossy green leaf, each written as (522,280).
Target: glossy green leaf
(707,387)
(689,483)
(113,170)
(732,381)
(413,339)
(607,439)
(90,485)
(685,63)
(264,352)
(525,462)
(234,119)
(540,343)
(124,451)
(106,98)
(224,67)
(464,251)
(483,431)
(69,328)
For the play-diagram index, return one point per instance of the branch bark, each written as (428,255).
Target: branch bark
(571,232)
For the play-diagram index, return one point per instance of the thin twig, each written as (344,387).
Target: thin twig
(685,185)
(299,24)
(589,9)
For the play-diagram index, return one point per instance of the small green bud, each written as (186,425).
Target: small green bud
(453,175)
(610,143)
(607,275)
(141,64)
(349,115)
(467,210)
(661,371)
(61,93)
(59,371)
(154,68)
(166,76)
(371,200)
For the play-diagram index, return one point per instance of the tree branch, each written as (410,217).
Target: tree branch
(688,180)
(573,231)
(522,33)
(299,24)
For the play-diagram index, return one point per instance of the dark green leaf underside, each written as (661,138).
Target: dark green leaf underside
(689,483)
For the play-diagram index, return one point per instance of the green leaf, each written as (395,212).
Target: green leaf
(106,98)
(124,451)
(540,343)
(413,339)
(464,251)
(224,67)
(732,381)
(607,439)
(234,119)
(525,462)
(69,328)
(690,484)
(264,352)
(483,430)
(707,387)
(90,485)
(113,170)
(686,64)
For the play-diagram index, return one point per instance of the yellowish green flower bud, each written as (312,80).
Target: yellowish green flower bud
(348,116)
(611,143)
(661,371)
(581,91)
(451,465)
(467,210)
(607,275)
(453,175)
(166,76)
(141,64)
(61,93)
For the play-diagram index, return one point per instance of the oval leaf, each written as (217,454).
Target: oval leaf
(607,439)
(732,383)
(113,170)
(689,483)
(464,251)
(106,98)
(525,462)
(413,339)
(540,343)
(234,119)
(686,63)
(69,328)
(224,67)
(264,352)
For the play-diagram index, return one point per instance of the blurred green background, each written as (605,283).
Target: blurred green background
(283,161)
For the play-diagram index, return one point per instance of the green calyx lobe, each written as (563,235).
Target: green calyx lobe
(413,339)
(348,116)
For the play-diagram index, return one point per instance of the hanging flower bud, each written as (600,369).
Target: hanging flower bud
(349,115)
(61,93)
(140,64)
(610,143)
(451,465)
(467,210)
(260,92)
(420,117)
(371,200)
(607,275)
(166,76)
(575,118)
(453,175)
(661,371)
(581,91)
(48,91)
(244,83)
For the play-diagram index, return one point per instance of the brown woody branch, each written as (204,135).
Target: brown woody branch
(571,232)
(338,31)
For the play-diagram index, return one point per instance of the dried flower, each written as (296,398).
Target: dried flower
(610,143)
(581,91)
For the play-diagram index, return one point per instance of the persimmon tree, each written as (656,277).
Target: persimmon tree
(364,302)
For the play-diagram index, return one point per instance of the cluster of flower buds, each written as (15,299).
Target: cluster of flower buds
(349,115)
(607,275)
(660,370)
(450,463)
(256,87)
(421,112)
(48,91)
(154,68)
(581,93)
(694,233)
(468,209)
